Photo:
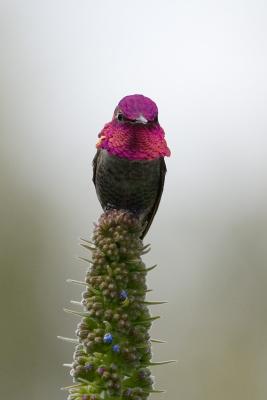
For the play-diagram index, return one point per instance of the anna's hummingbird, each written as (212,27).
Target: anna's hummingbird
(129,168)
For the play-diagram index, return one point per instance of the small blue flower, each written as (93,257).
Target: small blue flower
(89,367)
(128,392)
(123,295)
(101,370)
(107,338)
(116,348)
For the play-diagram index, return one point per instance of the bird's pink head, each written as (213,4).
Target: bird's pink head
(134,131)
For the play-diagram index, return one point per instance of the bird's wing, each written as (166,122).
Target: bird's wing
(152,213)
(95,165)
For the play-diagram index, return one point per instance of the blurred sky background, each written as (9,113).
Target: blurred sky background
(64,66)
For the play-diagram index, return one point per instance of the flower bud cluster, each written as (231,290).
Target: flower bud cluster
(114,351)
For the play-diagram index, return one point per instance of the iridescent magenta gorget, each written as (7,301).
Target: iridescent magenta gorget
(134,131)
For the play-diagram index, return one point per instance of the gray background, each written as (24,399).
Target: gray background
(64,66)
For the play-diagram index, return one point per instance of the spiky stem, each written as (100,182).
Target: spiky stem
(113,354)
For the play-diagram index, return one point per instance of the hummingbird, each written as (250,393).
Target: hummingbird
(129,168)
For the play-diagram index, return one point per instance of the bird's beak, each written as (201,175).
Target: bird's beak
(141,120)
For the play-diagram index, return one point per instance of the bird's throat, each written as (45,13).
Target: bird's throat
(134,142)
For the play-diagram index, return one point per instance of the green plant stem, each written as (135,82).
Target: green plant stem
(113,354)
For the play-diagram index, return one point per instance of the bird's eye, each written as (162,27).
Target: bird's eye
(156,119)
(120,117)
